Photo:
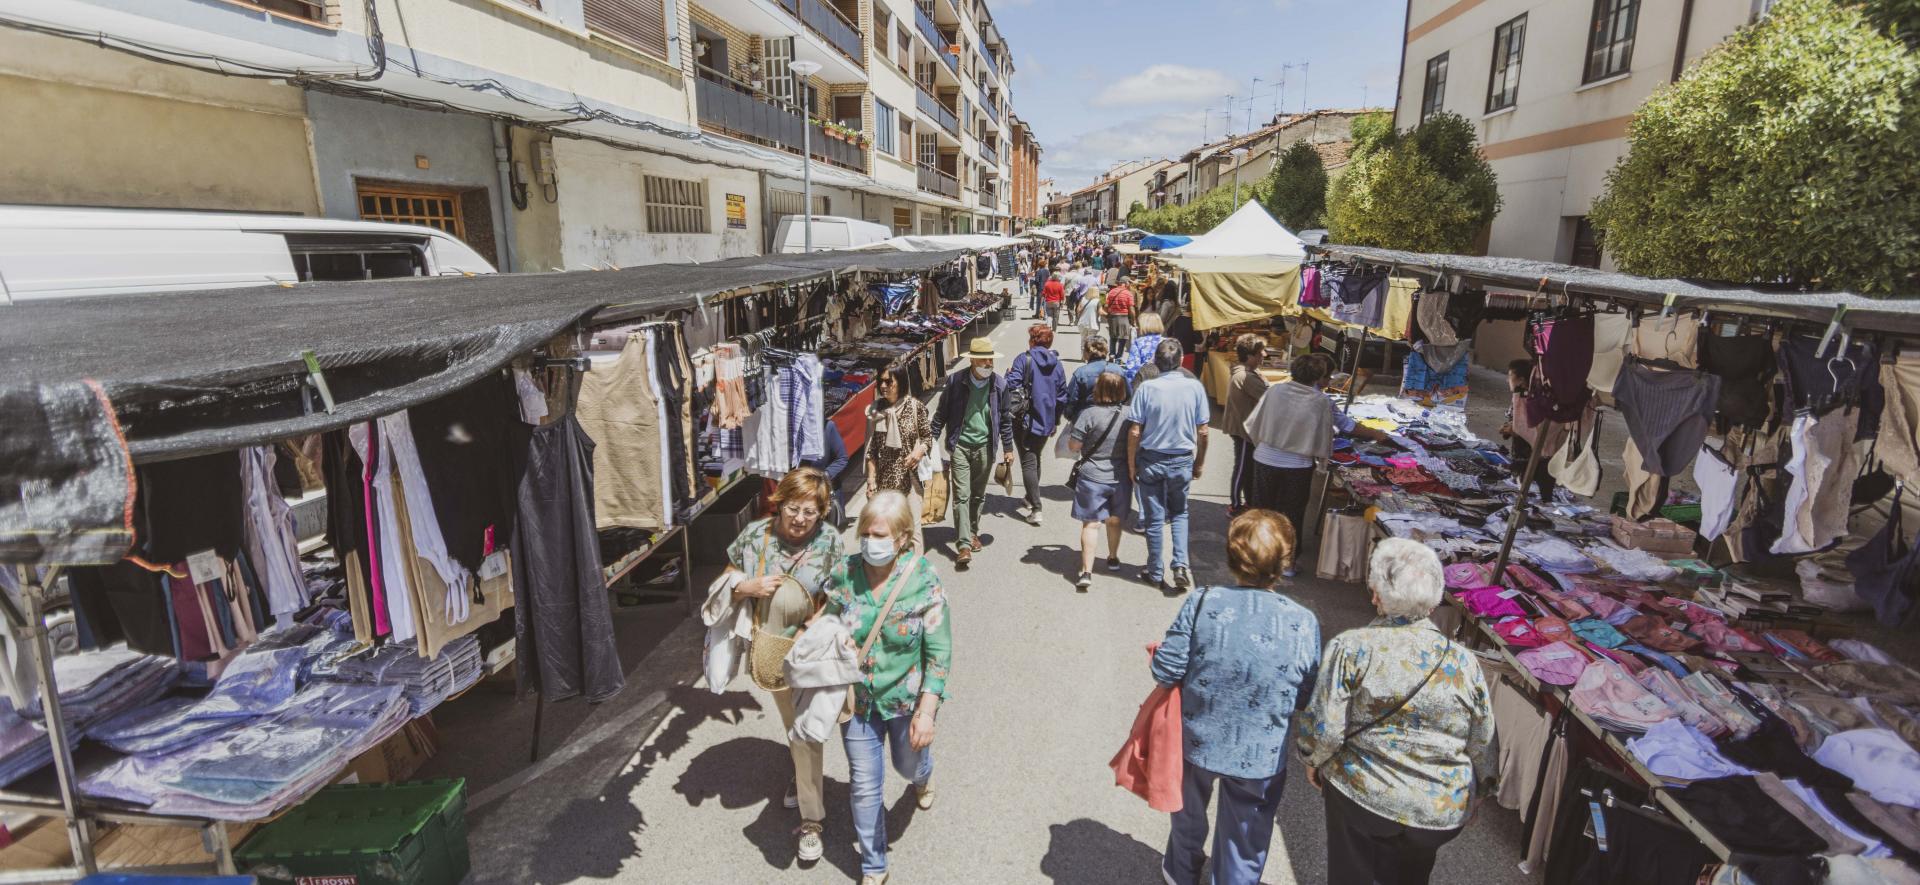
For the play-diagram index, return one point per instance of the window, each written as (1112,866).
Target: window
(434,208)
(639,23)
(676,205)
(882,25)
(1586,244)
(903,49)
(886,127)
(1503,88)
(306,10)
(1610,43)
(1435,94)
(906,139)
(902,221)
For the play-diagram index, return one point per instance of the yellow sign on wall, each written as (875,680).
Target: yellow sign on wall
(736,211)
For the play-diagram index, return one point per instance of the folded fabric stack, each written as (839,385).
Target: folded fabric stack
(257,684)
(93,687)
(254,772)
(24,748)
(426,683)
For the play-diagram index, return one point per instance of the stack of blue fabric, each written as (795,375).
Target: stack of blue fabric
(425,683)
(93,687)
(255,685)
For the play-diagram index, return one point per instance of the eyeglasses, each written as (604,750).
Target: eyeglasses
(797,512)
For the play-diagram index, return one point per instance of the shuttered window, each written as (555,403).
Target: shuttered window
(639,23)
(676,205)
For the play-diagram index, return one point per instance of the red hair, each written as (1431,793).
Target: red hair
(1039,335)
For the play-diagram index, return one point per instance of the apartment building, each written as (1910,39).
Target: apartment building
(1211,165)
(1105,202)
(1025,175)
(1551,87)
(548,133)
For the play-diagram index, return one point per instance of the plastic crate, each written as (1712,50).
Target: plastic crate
(366,834)
(137,879)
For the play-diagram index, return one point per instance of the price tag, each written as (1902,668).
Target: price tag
(205,567)
(494,565)
(1510,593)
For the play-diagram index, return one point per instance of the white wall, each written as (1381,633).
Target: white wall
(603,209)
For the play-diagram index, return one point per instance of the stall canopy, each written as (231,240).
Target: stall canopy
(1046,233)
(1245,269)
(1248,233)
(1158,242)
(943,243)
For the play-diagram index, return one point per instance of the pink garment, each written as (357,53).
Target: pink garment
(1489,602)
(1553,629)
(1463,575)
(1628,662)
(1518,633)
(1152,763)
(1404,462)
(1558,663)
(1608,693)
(1722,638)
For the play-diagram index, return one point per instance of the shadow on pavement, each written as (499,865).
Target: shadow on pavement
(1088,852)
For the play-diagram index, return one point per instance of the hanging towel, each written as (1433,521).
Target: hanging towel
(1152,763)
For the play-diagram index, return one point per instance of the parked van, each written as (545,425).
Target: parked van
(58,252)
(829,232)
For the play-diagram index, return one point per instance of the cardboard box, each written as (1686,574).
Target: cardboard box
(397,757)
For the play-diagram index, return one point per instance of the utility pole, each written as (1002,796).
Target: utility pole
(1303,87)
(1229,116)
(1250,94)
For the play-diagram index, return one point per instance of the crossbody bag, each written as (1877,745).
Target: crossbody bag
(1344,741)
(1087,453)
(900,570)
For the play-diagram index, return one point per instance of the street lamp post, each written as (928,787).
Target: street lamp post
(1239,156)
(805,69)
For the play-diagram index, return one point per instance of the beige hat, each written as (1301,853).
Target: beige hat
(981,349)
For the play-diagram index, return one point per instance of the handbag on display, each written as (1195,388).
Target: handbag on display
(1577,464)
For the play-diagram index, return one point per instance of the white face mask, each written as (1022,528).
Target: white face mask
(877,551)
(983,372)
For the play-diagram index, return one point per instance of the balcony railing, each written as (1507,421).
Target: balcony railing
(929,30)
(987,61)
(736,109)
(830,23)
(989,153)
(987,200)
(934,181)
(933,108)
(986,104)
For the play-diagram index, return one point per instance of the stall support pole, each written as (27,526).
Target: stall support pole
(78,834)
(1326,475)
(1520,504)
(539,713)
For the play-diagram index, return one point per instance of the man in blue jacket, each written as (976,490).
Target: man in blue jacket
(1039,373)
(977,434)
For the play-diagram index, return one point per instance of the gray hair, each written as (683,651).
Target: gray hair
(1406,576)
(1167,354)
(891,509)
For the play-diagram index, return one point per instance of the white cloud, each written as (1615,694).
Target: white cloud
(1166,85)
(1076,161)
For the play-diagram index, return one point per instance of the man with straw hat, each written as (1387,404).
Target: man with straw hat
(977,433)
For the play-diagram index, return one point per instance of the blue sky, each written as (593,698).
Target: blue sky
(1103,82)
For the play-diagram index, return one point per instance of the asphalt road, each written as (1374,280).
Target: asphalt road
(670,783)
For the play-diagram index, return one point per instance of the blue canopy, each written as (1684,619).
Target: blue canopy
(1158,242)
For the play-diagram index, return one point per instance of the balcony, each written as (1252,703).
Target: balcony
(830,23)
(940,113)
(989,153)
(987,61)
(934,181)
(986,104)
(987,200)
(733,108)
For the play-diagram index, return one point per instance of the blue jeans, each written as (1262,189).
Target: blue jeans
(1247,807)
(864,736)
(1162,484)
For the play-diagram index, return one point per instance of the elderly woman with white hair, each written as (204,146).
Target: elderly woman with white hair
(1400,727)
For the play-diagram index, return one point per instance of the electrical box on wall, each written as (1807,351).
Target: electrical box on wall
(543,162)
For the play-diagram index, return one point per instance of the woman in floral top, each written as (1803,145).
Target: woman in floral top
(1400,727)
(787,560)
(905,667)
(899,434)
(1140,354)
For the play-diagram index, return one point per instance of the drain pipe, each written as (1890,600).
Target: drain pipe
(503,162)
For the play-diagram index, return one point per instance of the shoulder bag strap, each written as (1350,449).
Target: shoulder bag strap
(1403,701)
(1087,452)
(897,581)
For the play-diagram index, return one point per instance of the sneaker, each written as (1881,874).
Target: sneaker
(923,796)
(1113,564)
(792,799)
(1084,581)
(874,879)
(1148,576)
(963,557)
(1033,518)
(1182,578)
(1288,573)
(810,846)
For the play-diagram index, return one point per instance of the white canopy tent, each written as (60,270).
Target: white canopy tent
(1246,268)
(1248,233)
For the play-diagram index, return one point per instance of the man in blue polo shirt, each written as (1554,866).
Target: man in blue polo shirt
(1166,449)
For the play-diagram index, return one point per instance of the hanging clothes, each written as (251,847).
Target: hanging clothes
(769,445)
(1610,333)
(415,519)
(1668,413)
(395,598)
(1563,349)
(800,387)
(1430,312)
(189,505)
(1719,486)
(1849,375)
(1745,365)
(271,542)
(1674,338)
(618,409)
(1883,567)
(461,441)
(1823,467)
(1898,446)
(563,624)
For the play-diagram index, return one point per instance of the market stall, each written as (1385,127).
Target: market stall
(1709,676)
(495,452)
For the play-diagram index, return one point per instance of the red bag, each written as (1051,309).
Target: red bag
(1153,761)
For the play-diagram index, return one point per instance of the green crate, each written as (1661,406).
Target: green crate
(367,834)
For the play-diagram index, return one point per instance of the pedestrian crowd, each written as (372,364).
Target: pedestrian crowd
(1392,721)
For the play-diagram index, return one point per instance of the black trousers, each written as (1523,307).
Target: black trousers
(1031,446)
(1543,482)
(1242,484)
(1286,490)
(1364,848)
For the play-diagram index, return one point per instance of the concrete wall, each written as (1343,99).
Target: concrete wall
(355,140)
(536,229)
(603,208)
(92,127)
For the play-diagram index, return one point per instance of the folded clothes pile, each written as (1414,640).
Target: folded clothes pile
(252,772)
(257,684)
(93,687)
(426,683)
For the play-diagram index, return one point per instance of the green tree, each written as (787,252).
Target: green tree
(1790,153)
(1423,190)
(1295,192)
(1136,211)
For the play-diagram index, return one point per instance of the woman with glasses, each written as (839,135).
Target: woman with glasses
(787,559)
(899,434)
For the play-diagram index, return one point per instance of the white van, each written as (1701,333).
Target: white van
(58,252)
(829,232)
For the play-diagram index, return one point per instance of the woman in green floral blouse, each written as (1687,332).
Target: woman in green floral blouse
(1399,733)
(905,668)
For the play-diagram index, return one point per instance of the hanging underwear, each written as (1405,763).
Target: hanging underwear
(1881,567)
(1610,333)
(1818,383)
(1464,310)
(1719,486)
(1668,413)
(1822,468)
(1745,365)
(1558,389)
